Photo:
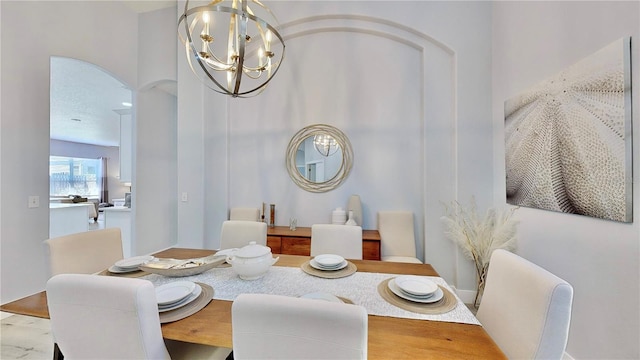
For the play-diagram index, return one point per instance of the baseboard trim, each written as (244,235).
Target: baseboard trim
(467,296)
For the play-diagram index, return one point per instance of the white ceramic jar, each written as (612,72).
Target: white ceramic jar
(252,261)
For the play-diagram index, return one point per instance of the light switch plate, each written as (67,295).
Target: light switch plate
(34,201)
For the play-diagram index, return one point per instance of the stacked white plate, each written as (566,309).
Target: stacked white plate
(130,264)
(416,288)
(176,294)
(328,262)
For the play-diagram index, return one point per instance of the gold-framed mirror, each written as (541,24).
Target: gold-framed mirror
(319,158)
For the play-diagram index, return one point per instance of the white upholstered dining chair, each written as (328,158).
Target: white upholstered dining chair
(106,317)
(525,308)
(84,253)
(397,238)
(238,233)
(246,214)
(343,240)
(281,327)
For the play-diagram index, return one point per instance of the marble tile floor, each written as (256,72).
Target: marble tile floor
(25,337)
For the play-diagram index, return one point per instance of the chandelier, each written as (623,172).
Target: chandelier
(325,144)
(232,45)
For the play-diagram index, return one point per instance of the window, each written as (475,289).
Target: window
(74,176)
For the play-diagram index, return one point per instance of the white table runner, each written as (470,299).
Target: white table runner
(361,288)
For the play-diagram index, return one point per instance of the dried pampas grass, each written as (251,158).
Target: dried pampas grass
(478,237)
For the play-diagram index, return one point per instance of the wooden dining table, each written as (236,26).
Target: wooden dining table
(388,337)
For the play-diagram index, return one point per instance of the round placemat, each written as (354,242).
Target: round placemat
(350,269)
(191,308)
(446,304)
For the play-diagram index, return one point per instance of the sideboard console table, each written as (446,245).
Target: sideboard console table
(282,240)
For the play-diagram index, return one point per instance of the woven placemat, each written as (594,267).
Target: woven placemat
(345,300)
(350,269)
(446,304)
(191,308)
(133,274)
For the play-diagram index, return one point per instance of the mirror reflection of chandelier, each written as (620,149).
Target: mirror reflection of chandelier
(232,45)
(325,144)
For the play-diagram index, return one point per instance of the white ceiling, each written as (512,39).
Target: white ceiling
(86,101)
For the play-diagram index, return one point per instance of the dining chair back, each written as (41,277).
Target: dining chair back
(246,214)
(238,233)
(280,327)
(84,253)
(397,237)
(105,317)
(343,240)
(525,308)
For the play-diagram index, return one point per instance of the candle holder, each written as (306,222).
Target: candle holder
(272,215)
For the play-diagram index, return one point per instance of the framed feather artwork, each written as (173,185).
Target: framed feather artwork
(568,139)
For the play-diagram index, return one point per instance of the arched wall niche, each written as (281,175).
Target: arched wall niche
(403,96)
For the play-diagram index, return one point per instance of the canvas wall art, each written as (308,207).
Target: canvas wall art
(568,139)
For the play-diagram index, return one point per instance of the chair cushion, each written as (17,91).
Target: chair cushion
(396,233)
(104,317)
(403,259)
(343,240)
(525,308)
(280,327)
(238,233)
(84,253)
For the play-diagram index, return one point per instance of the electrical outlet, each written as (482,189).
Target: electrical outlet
(34,201)
(185,197)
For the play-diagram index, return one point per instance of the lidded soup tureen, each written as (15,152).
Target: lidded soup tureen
(252,261)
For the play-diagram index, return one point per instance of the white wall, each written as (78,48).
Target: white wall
(408,83)
(156,200)
(97,32)
(532,41)
(154,195)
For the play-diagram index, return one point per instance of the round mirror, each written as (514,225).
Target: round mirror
(319,158)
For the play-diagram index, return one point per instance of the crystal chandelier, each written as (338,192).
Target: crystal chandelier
(325,144)
(232,45)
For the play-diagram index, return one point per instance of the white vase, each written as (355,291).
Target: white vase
(351,221)
(338,216)
(355,206)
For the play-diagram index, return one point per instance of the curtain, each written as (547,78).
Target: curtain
(104,188)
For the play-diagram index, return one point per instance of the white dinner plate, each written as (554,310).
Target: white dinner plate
(416,285)
(174,291)
(322,296)
(329,260)
(133,262)
(317,266)
(437,295)
(117,270)
(196,292)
